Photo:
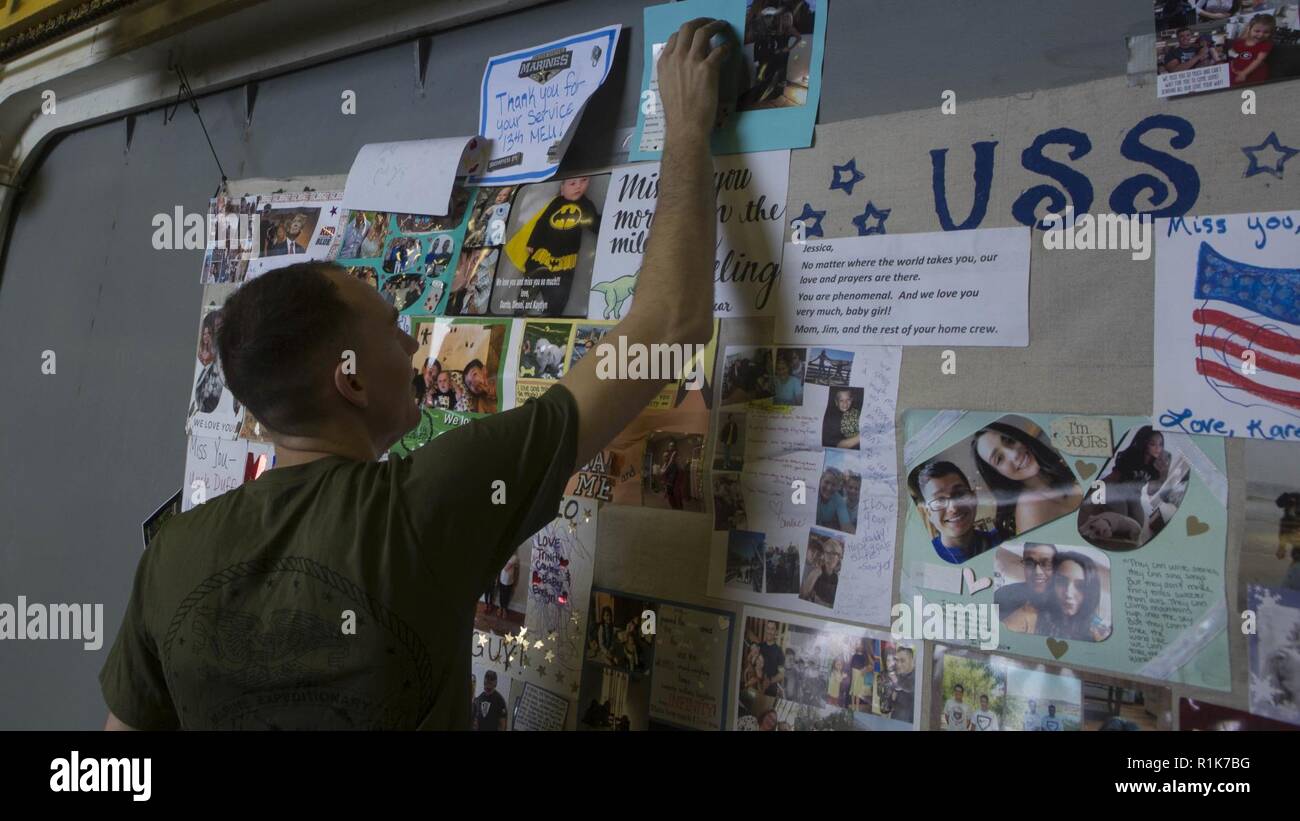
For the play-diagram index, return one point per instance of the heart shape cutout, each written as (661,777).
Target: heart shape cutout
(1085,469)
(1196,527)
(1057,647)
(973,584)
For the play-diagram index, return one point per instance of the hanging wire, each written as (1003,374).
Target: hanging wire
(186,93)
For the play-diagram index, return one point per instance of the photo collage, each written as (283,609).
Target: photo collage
(803,674)
(1100,538)
(795,417)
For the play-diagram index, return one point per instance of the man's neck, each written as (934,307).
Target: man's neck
(300,450)
(964,543)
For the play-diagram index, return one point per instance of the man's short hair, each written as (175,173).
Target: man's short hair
(281,335)
(930,471)
(957,687)
(490,675)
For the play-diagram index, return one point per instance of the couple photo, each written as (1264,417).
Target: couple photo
(1057,591)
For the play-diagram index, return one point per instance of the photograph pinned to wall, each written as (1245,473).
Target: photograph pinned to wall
(1207,45)
(159,517)
(1275,653)
(658,460)
(781,47)
(747,375)
(751,230)
(1062,591)
(834,508)
(457,374)
(551,236)
(488,217)
(746,552)
(973,691)
(213,409)
(653,664)
(471,286)
(799,673)
(544,350)
(1139,491)
(1004,480)
(363,235)
(822,563)
(1270,545)
(233,238)
(491,685)
(532,100)
(1226,323)
(992,693)
(730,451)
(728,502)
(979,691)
(1197,715)
(295,227)
(1156,612)
(839,491)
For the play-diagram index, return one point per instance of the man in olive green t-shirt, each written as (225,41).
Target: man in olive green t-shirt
(237,612)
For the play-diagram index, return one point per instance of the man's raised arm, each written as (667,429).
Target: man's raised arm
(674,289)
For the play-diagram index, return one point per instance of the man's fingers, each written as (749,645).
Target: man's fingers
(669,46)
(717,57)
(700,40)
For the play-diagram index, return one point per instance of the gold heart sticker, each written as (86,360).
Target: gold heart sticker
(1085,469)
(1196,527)
(1057,647)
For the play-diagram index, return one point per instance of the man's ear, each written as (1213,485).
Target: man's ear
(348,384)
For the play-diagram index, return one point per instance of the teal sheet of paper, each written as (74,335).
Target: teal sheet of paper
(445,231)
(745,131)
(1174,573)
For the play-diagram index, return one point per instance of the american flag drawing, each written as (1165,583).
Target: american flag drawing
(1244,308)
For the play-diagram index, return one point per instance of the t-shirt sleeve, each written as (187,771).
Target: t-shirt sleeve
(132,679)
(474,494)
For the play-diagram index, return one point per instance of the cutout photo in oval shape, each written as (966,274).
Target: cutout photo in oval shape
(1138,492)
(1001,482)
(1059,591)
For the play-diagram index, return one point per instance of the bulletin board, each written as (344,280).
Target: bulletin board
(1090,324)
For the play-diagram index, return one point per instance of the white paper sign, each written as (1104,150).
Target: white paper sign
(944,288)
(212,467)
(532,101)
(411,177)
(751,190)
(1227,325)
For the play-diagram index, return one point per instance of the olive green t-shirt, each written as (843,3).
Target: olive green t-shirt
(237,616)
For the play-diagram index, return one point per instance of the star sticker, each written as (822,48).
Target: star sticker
(1275,168)
(559,677)
(573,688)
(872,213)
(854,176)
(334,211)
(550,636)
(537,645)
(541,672)
(550,656)
(482,640)
(812,221)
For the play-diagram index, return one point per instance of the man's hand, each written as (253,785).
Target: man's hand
(688,76)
